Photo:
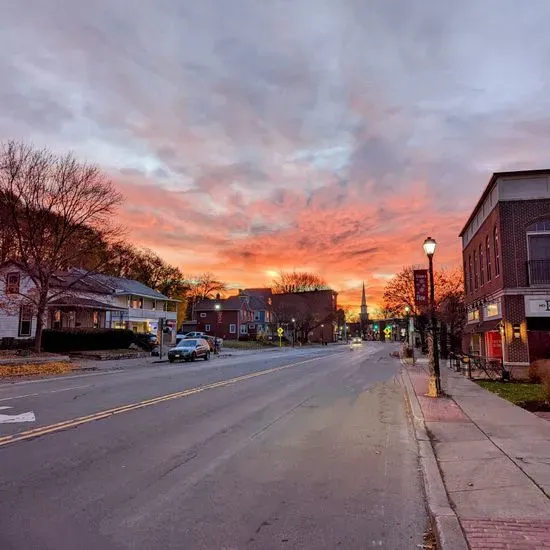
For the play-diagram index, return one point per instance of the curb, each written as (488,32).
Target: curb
(443,518)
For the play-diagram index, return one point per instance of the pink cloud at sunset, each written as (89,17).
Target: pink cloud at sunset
(250,137)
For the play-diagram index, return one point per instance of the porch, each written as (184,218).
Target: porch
(83,313)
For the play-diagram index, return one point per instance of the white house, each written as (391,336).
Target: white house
(78,299)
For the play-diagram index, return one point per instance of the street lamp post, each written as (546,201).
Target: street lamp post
(434,388)
(293,332)
(322,335)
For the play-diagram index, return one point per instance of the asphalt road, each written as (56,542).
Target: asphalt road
(301,449)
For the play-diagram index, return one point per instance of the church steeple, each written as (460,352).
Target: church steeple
(364,311)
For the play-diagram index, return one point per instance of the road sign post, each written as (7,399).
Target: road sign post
(280,332)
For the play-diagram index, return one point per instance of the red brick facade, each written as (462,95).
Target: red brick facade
(503,283)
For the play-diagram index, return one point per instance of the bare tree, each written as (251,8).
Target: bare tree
(201,287)
(298,281)
(57,210)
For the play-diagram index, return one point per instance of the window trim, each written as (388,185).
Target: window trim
(488,258)
(207,328)
(476,274)
(481,266)
(10,286)
(496,251)
(22,320)
(202,314)
(232,328)
(470,274)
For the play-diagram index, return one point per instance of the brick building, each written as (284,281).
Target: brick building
(227,318)
(314,313)
(506,262)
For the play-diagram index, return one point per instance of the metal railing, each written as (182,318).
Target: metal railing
(538,272)
(477,367)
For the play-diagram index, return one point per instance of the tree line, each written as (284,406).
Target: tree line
(57,213)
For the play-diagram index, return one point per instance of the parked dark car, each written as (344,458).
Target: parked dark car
(190,349)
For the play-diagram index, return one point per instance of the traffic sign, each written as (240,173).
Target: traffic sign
(280,331)
(387,331)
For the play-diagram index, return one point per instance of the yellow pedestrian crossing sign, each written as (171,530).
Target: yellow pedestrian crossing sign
(280,331)
(387,331)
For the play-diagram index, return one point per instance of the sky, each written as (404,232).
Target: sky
(254,136)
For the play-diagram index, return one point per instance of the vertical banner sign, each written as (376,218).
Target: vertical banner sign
(219,317)
(421,287)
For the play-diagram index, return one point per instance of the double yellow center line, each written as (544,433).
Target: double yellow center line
(74,422)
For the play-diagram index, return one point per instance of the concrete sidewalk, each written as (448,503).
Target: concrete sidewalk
(486,463)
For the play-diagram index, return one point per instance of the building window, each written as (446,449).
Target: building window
(470,285)
(25,321)
(251,327)
(244,329)
(136,302)
(12,282)
(465,278)
(203,314)
(207,328)
(473,315)
(95,319)
(232,329)
(488,258)
(481,266)
(476,276)
(496,248)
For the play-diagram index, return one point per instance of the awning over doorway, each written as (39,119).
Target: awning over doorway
(484,326)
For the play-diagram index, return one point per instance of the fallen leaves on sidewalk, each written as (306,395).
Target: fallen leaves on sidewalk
(33,369)
(430,542)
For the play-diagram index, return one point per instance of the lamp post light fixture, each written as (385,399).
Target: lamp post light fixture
(322,334)
(293,332)
(434,388)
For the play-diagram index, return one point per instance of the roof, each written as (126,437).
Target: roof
(491,184)
(77,281)
(84,303)
(258,292)
(119,285)
(233,303)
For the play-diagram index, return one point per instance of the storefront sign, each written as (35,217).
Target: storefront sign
(421,287)
(537,306)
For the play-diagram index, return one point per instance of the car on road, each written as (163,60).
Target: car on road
(190,349)
(356,341)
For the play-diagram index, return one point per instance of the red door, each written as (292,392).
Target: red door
(493,340)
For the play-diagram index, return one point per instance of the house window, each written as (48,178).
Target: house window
(203,314)
(25,320)
(256,316)
(470,285)
(251,327)
(496,248)
(232,329)
(481,266)
(154,306)
(136,302)
(12,283)
(488,259)
(95,319)
(207,328)
(244,329)
(476,277)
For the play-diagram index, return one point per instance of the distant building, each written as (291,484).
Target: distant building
(227,318)
(364,315)
(314,313)
(506,262)
(261,303)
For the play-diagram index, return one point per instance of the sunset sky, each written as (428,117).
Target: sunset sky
(250,136)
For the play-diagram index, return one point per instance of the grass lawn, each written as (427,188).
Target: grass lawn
(251,344)
(516,392)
